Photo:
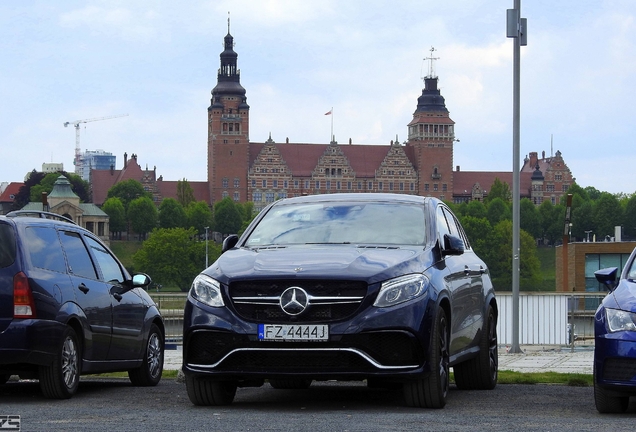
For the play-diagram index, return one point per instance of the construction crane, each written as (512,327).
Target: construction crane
(78,150)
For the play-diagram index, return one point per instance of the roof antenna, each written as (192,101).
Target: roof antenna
(431,68)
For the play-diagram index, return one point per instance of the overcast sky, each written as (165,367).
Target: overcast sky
(157,62)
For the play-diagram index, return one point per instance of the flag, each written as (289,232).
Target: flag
(328,113)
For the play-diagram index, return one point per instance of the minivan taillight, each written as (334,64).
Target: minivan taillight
(23,305)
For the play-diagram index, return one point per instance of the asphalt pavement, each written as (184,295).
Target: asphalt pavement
(531,359)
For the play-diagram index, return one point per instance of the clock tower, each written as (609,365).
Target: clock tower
(228,130)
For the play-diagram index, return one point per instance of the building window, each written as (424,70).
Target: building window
(285,184)
(370,186)
(426,187)
(264,183)
(317,184)
(237,183)
(401,186)
(434,187)
(236,196)
(275,183)
(295,184)
(226,182)
(549,188)
(338,185)
(412,186)
(257,196)
(282,195)
(390,186)
(444,187)
(306,184)
(328,186)
(253,183)
(269,197)
(558,177)
(225,194)
(349,185)
(359,185)
(380,186)
(565,187)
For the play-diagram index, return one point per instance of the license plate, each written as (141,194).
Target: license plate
(293,332)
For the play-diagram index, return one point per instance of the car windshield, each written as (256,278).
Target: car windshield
(341,223)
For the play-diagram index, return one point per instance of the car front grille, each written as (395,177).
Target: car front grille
(330,301)
(391,348)
(619,369)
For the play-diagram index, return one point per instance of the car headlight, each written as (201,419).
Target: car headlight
(618,320)
(401,289)
(207,290)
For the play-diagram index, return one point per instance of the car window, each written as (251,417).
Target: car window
(631,274)
(7,245)
(442,224)
(110,268)
(79,260)
(456,228)
(354,223)
(44,248)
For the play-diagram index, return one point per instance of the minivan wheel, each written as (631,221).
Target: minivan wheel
(149,373)
(60,380)
(480,373)
(203,391)
(607,403)
(431,392)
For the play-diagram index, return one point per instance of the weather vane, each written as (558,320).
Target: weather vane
(431,71)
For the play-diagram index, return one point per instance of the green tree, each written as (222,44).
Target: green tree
(127,191)
(582,219)
(78,186)
(185,193)
(114,208)
(607,214)
(552,221)
(476,209)
(172,214)
(248,215)
(199,216)
(497,211)
(142,214)
(499,258)
(174,256)
(530,219)
(629,220)
(477,230)
(228,218)
(498,189)
(593,193)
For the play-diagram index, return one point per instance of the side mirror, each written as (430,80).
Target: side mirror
(229,242)
(607,277)
(453,245)
(141,280)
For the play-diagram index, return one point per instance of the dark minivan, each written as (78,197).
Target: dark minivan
(68,307)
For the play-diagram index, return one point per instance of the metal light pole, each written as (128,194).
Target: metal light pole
(206,246)
(516,28)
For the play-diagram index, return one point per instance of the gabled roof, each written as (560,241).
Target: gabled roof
(463,181)
(168,189)
(103,180)
(12,190)
(301,159)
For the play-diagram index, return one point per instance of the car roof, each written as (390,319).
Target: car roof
(357,197)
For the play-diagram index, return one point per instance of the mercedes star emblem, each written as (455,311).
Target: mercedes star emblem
(294,300)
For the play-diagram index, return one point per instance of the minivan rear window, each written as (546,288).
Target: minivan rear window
(45,249)
(7,245)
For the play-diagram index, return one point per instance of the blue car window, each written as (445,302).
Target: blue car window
(45,251)
(7,245)
(110,269)
(78,258)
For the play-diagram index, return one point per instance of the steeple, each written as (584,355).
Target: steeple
(229,76)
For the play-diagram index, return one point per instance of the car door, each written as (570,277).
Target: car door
(459,282)
(128,310)
(91,294)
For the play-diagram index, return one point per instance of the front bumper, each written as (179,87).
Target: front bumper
(615,361)
(388,343)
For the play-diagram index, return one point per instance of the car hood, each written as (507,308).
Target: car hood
(625,296)
(360,263)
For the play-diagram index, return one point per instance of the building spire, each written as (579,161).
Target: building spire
(431,68)
(228,22)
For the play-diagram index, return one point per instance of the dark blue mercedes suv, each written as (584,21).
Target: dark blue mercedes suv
(377,287)
(68,307)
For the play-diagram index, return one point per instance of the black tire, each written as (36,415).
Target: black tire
(203,391)
(607,403)
(431,391)
(290,383)
(480,373)
(149,373)
(60,380)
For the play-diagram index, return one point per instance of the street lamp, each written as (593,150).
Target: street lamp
(206,246)
(587,233)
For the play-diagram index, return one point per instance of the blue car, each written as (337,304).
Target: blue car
(68,307)
(377,287)
(615,340)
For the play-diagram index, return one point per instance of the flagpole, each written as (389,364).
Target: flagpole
(331,139)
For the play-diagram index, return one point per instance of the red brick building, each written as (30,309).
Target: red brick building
(262,172)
